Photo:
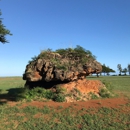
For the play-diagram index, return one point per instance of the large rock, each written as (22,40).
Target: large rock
(53,67)
(67,70)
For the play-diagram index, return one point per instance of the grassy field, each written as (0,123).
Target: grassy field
(49,118)
(11,82)
(20,117)
(121,84)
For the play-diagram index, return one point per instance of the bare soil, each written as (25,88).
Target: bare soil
(98,103)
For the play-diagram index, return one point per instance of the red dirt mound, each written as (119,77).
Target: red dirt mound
(82,90)
(84,86)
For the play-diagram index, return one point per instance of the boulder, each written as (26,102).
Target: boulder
(67,69)
(54,67)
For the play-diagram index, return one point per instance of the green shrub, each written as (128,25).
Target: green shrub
(104,93)
(59,95)
(108,85)
(33,59)
(59,98)
(38,92)
(93,96)
(49,94)
(78,54)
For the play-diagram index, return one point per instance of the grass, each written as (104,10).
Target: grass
(11,82)
(119,83)
(46,118)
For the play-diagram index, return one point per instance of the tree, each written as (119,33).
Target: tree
(3,32)
(129,68)
(119,68)
(124,71)
(106,69)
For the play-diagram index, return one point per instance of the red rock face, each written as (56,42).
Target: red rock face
(82,90)
(84,86)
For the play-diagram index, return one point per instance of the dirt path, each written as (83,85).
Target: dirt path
(111,103)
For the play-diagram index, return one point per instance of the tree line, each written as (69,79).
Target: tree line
(123,70)
(107,70)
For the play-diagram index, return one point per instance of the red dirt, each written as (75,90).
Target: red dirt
(109,102)
(84,86)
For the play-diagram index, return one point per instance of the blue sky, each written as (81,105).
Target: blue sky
(101,26)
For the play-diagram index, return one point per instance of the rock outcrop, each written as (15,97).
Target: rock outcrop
(67,69)
(52,67)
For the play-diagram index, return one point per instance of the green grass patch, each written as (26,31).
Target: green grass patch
(11,82)
(47,118)
(115,83)
(37,93)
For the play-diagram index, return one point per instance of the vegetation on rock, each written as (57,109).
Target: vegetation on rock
(62,65)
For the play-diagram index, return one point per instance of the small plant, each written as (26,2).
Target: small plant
(77,91)
(61,67)
(78,98)
(108,85)
(93,96)
(33,59)
(59,95)
(46,110)
(30,109)
(104,93)
(60,107)
(59,98)
(59,89)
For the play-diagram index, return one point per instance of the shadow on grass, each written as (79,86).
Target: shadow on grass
(12,94)
(3,102)
(17,94)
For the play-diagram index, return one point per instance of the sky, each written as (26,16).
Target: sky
(101,26)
